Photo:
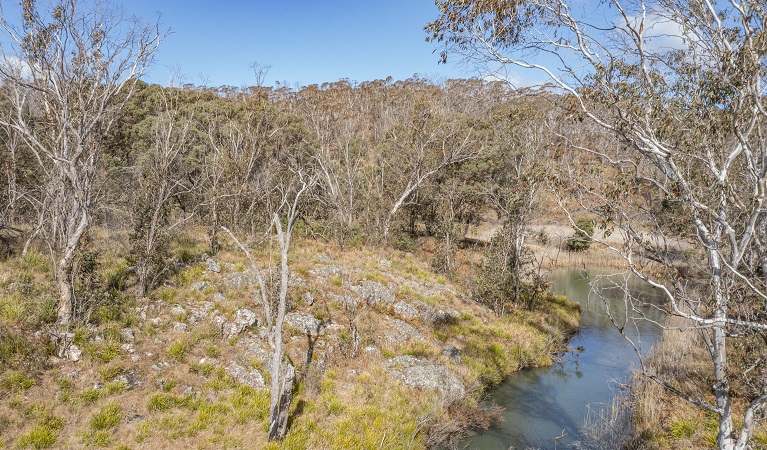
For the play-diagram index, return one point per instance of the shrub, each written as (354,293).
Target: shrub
(581,239)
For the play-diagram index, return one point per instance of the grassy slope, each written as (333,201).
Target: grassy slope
(166,385)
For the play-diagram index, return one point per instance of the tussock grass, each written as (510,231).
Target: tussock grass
(665,421)
(345,402)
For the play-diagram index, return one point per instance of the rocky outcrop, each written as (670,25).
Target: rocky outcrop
(243,318)
(423,374)
(375,293)
(304,322)
(252,378)
(212,265)
(402,332)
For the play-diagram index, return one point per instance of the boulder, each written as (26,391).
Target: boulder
(402,332)
(252,378)
(375,293)
(212,265)
(200,285)
(423,374)
(304,322)
(243,318)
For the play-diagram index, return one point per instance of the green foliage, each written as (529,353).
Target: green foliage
(116,387)
(204,369)
(681,429)
(581,239)
(16,381)
(109,371)
(163,401)
(108,417)
(104,351)
(90,395)
(178,349)
(43,434)
(404,242)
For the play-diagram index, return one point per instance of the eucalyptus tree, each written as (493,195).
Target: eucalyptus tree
(274,301)
(419,147)
(165,171)
(69,67)
(680,86)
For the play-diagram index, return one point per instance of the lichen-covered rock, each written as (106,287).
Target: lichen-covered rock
(178,311)
(402,332)
(240,280)
(252,378)
(200,285)
(212,265)
(329,269)
(423,374)
(406,310)
(255,349)
(452,353)
(202,311)
(375,293)
(243,318)
(73,353)
(304,322)
(127,334)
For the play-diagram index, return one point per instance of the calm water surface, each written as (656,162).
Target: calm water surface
(544,408)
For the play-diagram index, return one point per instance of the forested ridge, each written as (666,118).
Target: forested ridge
(387,162)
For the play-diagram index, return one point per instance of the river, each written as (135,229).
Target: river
(545,408)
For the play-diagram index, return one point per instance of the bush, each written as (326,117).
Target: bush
(581,239)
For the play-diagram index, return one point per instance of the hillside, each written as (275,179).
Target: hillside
(387,353)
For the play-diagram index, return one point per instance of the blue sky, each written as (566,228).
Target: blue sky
(305,42)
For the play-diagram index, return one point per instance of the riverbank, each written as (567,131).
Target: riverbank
(388,353)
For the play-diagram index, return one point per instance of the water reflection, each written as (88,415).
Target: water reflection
(544,408)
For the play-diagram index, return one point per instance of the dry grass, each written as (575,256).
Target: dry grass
(663,420)
(176,400)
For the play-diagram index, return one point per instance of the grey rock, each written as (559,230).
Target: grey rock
(304,322)
(219,297)
(200,285)
(406,310)
(202,311)
(127,334)
(372,350)
(180,326)
(212,265)
(243,318)
(74,353)
(252,378)
(447,315)
(178,311)
(375,293)
(128,347)
(254,349)
(452,353)
(328,270)
(422,374)
(402,332)
(240,280)
(159,367)
(308,298)
(323,258)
